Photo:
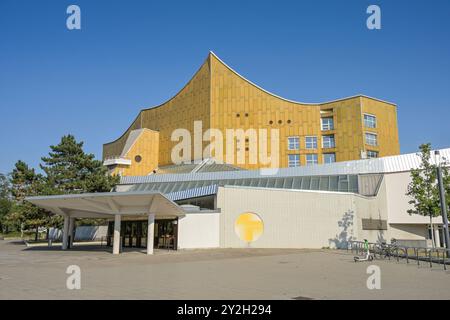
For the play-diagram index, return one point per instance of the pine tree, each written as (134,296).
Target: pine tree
(24,183)
(70,170)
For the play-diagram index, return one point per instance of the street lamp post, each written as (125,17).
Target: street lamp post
(442,199)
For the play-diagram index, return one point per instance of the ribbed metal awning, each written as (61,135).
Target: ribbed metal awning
(193,193)
(338,183)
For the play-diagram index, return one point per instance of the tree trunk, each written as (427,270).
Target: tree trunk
(36,235)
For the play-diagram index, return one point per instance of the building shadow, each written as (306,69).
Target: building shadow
(75,248)
(380,235)
(345,224)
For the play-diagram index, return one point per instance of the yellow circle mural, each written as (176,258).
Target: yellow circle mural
(249,227)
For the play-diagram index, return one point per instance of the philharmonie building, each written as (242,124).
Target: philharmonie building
(339,175)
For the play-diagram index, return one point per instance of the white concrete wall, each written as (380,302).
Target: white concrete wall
(292,219)
(82,233)
(198,230)
(91,232)
(397,200)
(315,219)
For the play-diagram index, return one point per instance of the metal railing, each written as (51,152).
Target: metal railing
(395,251)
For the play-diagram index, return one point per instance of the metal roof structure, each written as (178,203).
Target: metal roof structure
(366,185)
(384,165)
(107,204)
(206,165)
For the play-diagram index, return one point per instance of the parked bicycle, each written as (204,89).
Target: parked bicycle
(383,250)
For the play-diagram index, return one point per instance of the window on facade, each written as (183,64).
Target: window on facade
(370,121)
(371,139)
(311,142)
(293,143)
(311,159)
(328,141)
(372,154)
(327,123)
(294,160)
(329,157)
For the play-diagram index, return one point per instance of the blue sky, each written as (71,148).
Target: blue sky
(134,54)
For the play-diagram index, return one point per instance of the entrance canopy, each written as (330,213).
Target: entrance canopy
(108,204)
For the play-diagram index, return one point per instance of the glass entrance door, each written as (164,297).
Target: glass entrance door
(134,234)
(166,232)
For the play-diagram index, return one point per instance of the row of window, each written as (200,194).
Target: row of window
(311,159)
(311,142)
(328,141)
(327,123)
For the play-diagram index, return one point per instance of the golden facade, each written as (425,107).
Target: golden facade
(346,129)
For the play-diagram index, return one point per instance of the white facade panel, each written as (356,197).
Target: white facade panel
(292,219)
(397,200)
(198,230)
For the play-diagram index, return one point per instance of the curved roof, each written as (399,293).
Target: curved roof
(207,60)
(293,101)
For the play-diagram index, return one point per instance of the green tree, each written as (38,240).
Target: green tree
(70,170)
(423,189)
(26,182)
(5,202)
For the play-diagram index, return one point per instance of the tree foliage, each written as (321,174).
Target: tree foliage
(70,170)
(25,182)
(67,169)
(423,188)
(5,202)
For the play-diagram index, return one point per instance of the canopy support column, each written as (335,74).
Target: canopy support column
(150,233)
(71,232)
(65,240)
(116,244)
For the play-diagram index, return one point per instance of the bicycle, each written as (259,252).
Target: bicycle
(383,250)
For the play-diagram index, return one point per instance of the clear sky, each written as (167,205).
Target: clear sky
(133,54)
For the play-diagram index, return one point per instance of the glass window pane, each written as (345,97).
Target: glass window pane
(370,121)
(329,157)
(306,183)
(327,123)
(314,183)
(311,142)
(293,143)
(371,139)
(372,154)
(328,141)
(324,183)
(311,159)
(293,160)
(333,183)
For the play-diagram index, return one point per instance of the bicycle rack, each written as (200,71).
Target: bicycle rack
(403,252)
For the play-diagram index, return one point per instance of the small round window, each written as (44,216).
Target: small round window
(138,158)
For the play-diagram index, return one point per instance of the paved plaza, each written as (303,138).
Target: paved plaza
(39,272)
